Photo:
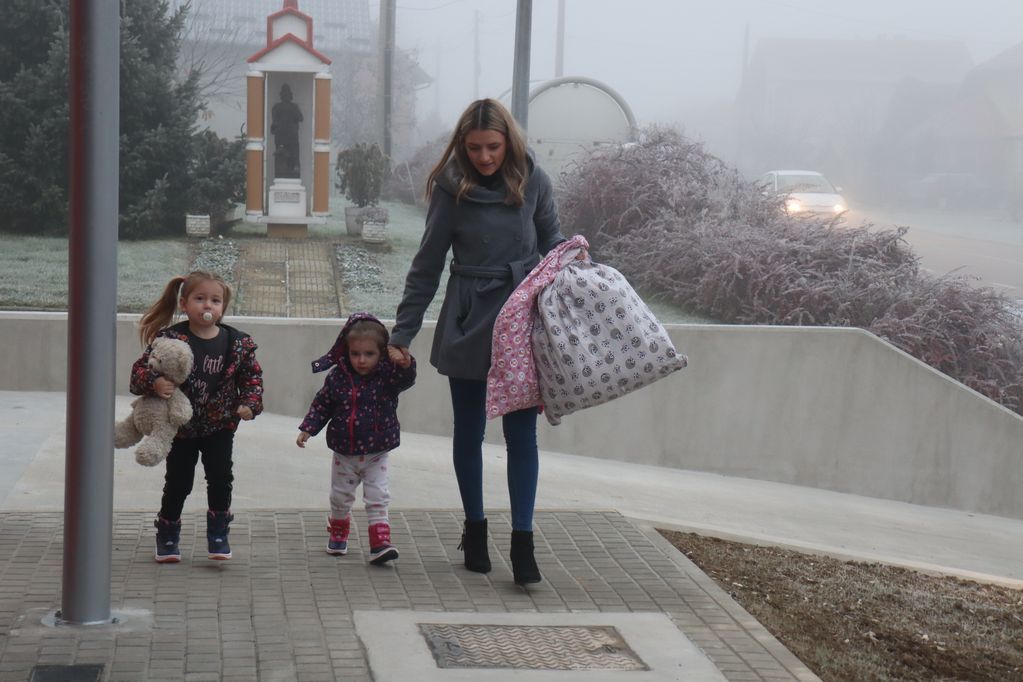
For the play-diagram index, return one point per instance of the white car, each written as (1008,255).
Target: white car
(805,192)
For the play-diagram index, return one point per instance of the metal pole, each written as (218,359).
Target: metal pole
(387,9)
(559,52)
(92,310)
(520,75)
(476,56)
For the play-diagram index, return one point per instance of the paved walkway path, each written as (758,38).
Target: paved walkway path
(283,609)
(287,278)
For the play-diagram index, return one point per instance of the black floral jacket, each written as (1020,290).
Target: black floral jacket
(240,384)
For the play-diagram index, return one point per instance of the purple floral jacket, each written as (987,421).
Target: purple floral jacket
(240,384)
(360,412)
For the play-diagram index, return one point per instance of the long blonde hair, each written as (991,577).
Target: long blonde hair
(162,312)
(487,114)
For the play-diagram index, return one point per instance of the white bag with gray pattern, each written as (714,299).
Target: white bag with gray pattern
(595,340)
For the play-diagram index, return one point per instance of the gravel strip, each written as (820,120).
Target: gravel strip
(359,268)
(217,256)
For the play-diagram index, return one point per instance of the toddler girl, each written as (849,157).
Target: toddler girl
(225,386)
(359,405)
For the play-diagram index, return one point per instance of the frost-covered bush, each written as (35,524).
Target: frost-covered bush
(407,181)
(683,225)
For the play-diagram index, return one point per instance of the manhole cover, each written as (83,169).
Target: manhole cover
(66,673)
(529,647)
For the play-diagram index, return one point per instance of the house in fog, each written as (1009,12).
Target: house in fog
(967,150)
(819,104)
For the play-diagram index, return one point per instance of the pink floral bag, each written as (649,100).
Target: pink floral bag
(512,379)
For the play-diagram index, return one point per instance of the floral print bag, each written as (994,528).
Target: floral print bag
(595,340)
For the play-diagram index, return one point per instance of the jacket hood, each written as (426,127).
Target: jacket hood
(451,176)
(336,354)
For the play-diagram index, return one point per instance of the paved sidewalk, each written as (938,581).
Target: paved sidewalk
(287,278)
(283,609)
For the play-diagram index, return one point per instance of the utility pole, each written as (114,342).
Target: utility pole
(94,68)
(476,55)
(520,74)
(387,29)
(439,51)
(559,52)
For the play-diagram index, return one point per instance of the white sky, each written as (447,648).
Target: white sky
(667,56)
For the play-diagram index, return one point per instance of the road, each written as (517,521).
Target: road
(986,246)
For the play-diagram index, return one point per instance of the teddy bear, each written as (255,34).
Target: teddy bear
(154,417)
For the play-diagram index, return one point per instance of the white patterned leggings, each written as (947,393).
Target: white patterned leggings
(347,472)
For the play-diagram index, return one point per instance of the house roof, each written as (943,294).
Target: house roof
(289,38)
(1008,60)
(341,25)
(277,37)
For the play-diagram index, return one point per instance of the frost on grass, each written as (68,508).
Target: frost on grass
(360,270)
(218,256)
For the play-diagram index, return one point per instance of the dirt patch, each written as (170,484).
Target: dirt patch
(849,620)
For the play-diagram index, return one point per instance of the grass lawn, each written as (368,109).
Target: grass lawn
(34,272)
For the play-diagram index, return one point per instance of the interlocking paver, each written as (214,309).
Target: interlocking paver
(286,278)
(283,608)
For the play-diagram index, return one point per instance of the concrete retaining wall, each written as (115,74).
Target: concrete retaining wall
(822,407)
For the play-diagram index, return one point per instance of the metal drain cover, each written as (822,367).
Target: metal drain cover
(66,673)
(529,647)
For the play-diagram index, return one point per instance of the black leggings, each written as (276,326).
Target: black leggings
(216,451)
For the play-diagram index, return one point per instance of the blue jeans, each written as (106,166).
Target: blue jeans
(469,402)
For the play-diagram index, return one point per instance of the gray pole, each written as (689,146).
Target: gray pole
(520,75)
(476,56)
(387,10)
(559,52)
(92,310)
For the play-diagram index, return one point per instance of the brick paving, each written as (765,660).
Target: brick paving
(282,609)
(287,278)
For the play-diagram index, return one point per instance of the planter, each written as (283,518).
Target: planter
(197,225)
(374,232)
(353,219)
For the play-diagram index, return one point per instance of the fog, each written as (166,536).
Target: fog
(914,103)
(668,56)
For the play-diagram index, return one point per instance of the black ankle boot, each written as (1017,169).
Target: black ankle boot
(474,546)
(524,568)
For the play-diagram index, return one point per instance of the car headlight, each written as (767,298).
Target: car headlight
(839,208)
(793,205)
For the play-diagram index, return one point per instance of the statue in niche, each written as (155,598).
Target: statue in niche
(284,119)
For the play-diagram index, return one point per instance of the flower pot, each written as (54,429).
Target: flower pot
(374,232)
(353,219)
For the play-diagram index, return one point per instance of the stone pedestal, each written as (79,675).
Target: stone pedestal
(287,198)
(287,230)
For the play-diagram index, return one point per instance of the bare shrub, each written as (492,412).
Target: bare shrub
(684,226)
(407,180)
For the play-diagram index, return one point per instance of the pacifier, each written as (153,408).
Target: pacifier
(207,317)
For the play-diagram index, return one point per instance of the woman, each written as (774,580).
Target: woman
(494,208)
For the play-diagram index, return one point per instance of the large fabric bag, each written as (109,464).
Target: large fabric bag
(512,381)
(595,340)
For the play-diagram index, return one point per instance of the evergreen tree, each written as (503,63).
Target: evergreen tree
(162,158)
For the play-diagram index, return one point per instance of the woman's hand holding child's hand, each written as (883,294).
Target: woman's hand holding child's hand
(163,387)
(302,438)
(399,355)
(245,412)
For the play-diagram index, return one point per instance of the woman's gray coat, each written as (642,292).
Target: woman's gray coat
(495,246)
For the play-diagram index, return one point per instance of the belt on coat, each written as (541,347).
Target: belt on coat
(515,271)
